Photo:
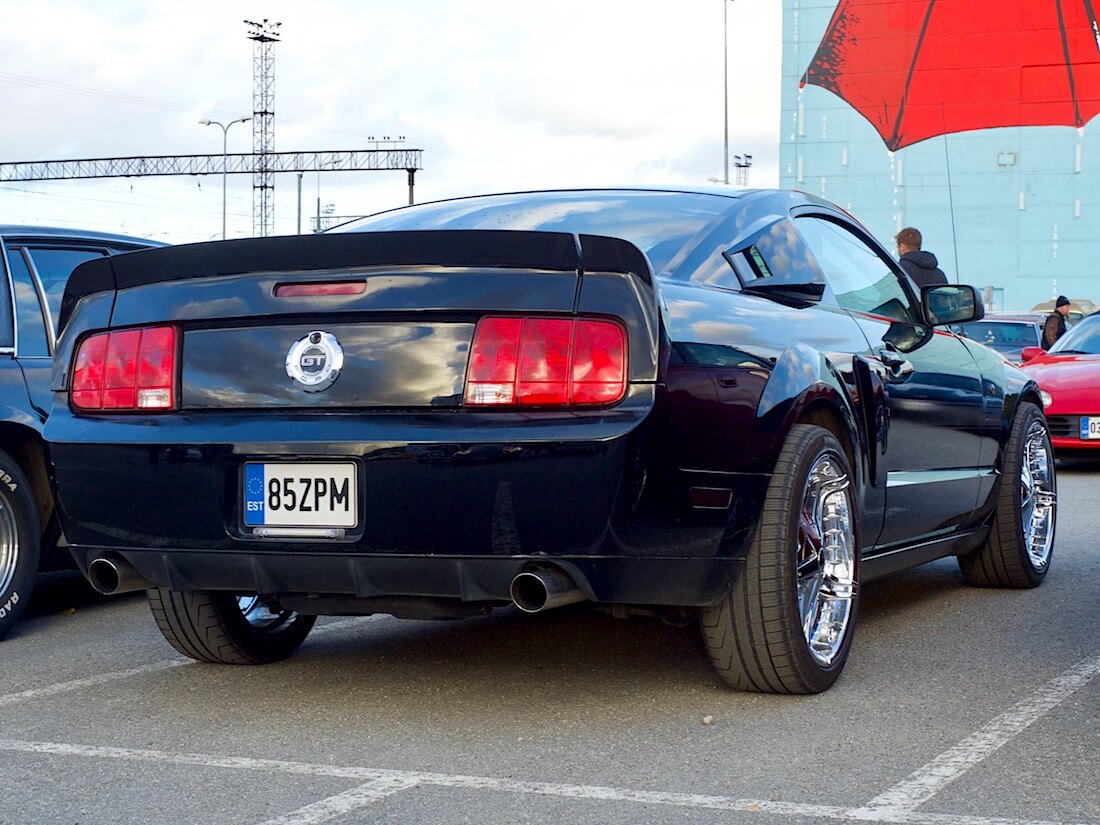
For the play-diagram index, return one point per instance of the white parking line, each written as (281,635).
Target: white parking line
(89,681)
(929,780)
(345,803)
(382,783)
(167,664)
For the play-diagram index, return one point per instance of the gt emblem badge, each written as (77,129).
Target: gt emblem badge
(315,361)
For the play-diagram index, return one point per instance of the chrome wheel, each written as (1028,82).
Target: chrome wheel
(9,546)
(1038,500)
(826,558)
(260,615)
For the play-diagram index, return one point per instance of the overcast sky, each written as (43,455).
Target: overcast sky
(500,96)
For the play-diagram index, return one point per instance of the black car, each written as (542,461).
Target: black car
(36,263)
(723,403)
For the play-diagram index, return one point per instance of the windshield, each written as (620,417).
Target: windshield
(658,223)
(1082,337)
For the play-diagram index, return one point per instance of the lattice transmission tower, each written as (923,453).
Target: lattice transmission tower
(264,35)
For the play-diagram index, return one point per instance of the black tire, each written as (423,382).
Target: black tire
(1019,550)
(218,627)
(19,542)
(755,635)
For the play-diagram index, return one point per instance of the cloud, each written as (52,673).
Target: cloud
(500,95)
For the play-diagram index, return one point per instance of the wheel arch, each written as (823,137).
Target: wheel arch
(26,447)
(807,388)
(1016,393)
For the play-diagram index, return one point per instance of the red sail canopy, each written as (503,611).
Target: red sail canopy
(920,68)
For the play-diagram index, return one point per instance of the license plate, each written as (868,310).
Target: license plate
(299,494)
(1090,427)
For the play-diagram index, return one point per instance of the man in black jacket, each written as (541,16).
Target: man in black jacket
(919,265)
(1055,325)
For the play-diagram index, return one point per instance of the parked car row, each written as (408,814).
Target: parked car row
(1006,333)
(37,262)
(702,401)
(1068,375)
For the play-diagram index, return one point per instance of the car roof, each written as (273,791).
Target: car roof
(12,231)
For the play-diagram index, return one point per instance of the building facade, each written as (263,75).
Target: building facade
(887,108)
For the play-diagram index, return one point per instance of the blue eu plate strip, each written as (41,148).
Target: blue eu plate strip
(254,494)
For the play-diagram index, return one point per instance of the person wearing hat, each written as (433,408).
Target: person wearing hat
(1055,325)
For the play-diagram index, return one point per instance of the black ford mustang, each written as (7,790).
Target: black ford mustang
(723,402)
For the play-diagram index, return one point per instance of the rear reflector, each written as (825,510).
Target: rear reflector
(314,289)
(132,369)
(546,362)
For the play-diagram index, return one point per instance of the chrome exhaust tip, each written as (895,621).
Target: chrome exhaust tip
(113,574)
(540,589)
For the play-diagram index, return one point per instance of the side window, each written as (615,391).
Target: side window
(30,322)
(7,334)
(773,257)
(859,277)
(54,265)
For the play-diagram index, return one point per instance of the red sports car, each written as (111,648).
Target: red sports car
(1069,377)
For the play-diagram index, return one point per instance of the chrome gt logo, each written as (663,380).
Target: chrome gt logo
(315,361)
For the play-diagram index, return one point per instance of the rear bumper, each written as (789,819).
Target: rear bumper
(452,505)
(611,580)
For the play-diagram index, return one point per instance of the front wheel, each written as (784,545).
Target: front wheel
(1021,542)
(224,628)
(786,625)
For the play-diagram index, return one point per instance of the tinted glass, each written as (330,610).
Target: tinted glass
(658,223)
(30,321)
(775,257)
(54,265)
(1082,337)
(859,277)
(7,335)
(1001,333)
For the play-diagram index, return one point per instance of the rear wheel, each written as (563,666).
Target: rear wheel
(19,542)
(225,628)
(1021,543)
(787,623)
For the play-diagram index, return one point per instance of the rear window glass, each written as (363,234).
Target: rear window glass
(54,265)
(658,223)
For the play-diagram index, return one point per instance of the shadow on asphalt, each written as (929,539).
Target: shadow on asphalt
(61,591)
(1078,463)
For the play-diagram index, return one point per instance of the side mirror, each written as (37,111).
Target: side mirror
(1029,353)
(950,304)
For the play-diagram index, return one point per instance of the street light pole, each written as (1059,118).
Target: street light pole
(726,91)
(225,154)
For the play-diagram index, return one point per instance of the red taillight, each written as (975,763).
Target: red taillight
(133,369)
(546,362)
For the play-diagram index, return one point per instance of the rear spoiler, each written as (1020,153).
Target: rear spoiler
(489,248)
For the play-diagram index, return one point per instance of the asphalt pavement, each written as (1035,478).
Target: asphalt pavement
(959,706)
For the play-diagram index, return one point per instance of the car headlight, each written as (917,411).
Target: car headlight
(1047,398)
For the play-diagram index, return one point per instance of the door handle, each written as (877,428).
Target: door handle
(895,363)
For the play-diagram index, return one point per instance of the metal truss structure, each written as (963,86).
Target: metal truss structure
(743,166)
(163,165)
(264,36)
